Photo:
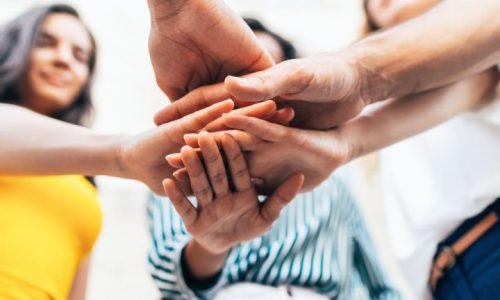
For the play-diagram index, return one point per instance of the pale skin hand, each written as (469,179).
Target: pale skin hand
(421,54)
(272,147)
(198,42)
(228,211)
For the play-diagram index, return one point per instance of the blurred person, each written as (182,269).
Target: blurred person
(317,248)
(49,224)
(440,190)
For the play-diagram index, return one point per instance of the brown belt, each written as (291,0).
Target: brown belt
(447,257)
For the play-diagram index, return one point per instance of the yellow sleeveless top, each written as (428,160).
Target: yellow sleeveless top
(48,225)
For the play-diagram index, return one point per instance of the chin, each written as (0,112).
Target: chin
(56,100)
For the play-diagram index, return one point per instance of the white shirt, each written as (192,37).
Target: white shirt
(434,181)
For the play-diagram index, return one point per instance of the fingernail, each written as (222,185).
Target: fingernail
(239,80)
(257,181)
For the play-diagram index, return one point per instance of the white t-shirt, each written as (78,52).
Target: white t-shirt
(434,181)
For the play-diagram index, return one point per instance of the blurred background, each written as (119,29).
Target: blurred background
(126,98)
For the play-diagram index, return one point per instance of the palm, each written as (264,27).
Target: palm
(200,42)
(229,220)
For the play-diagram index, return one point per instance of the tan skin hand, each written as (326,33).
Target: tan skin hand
(223,216)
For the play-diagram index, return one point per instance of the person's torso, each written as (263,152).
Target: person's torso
(434,181)
(47,226)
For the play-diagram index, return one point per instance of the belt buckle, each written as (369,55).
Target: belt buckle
(452,259)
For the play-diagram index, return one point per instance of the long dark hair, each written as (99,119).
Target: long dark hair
(17,40)
(288,49)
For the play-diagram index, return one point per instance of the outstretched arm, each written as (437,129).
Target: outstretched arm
(455,39)
(275,151)
(33,144)
(199,42)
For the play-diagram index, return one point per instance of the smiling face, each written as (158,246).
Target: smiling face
(59,65)
(391,12)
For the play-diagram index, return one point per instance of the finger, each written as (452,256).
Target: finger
(175,160)
(174,131)
(288,77)
(281,197)
(240,175)
(181,204)
(260,128)
(261,110)
(196,100)
(214,164)
(181,175)
(201,118)
(246,141)
(197,176)
(282,116)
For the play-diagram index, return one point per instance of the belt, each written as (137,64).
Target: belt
(447,256)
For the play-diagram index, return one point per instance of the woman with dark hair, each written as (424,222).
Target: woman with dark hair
(21,57)
(48,225)
(279,48)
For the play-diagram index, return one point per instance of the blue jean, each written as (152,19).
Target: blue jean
(476,273)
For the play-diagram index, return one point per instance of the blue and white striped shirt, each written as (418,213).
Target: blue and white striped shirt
(319,242)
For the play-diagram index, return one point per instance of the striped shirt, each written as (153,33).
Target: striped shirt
(319,242)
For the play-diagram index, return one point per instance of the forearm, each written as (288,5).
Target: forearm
(452,41)
(202,263)
(32,144)
(397,119)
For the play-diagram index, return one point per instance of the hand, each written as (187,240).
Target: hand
(225,217)
(327,89)
(209,95)
(142,157)
(198,42)
(274,152)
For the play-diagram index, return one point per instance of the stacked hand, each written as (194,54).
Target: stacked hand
(274,151)
(227,211)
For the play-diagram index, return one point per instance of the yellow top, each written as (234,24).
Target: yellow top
(48,225)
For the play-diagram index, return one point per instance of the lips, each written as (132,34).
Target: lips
(57,80)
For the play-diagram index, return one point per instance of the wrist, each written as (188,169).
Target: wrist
(164,10)
(372,83)
(349,141)
(203,263)
(115,162)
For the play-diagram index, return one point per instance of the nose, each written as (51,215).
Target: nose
(63,56)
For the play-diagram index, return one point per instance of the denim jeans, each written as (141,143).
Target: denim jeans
(476,273)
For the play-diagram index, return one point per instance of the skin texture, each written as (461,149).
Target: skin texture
(198,42)
(386,13)
(274,151)
(228,211)
(58,65)
(405,59)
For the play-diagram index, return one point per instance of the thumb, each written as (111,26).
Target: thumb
(281,197)
(286,78)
